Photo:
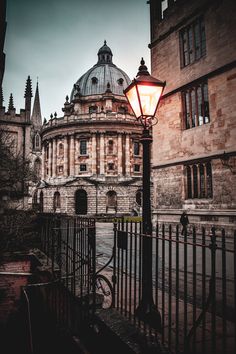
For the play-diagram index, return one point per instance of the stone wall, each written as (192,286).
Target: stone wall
(220,47)
(173,145)
(96,198)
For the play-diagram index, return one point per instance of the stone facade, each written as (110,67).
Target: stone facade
(91,156)
(193,49)
(22,129)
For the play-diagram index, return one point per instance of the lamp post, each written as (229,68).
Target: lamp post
(144,94)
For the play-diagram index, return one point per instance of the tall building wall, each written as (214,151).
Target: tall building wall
(193,49)
(3,25)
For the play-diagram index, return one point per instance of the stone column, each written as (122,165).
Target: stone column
(119,154)
(102,146)
(43,162)
(127,155)
(94,154)
(65,156)
(50,159)
(54,157)
(72,155)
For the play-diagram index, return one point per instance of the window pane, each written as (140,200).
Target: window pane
(202,182)
(185,48)
(209,180)
(187,110)
(195,182)
(110,147)
(189,182)
(197,40)
(83,147)
(190,44)
(203,38)
(206,104)
(200,106)
(193,103)
(136,148)
(193,42)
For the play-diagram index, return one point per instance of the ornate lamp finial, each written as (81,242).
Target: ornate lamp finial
(142,70)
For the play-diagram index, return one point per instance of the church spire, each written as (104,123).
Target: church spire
(28,95)
(36,117)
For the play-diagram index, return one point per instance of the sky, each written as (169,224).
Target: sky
(57,41)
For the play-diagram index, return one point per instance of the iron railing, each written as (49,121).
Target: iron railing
(69,294)
(193,284)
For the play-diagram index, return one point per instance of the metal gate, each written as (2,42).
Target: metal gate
(69,243)
(193,283)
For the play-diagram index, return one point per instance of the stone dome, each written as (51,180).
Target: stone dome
(101,77)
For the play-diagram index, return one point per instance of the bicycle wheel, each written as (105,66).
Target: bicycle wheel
(104,288)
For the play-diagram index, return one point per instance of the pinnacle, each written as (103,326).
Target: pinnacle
(28,88)
(11,103)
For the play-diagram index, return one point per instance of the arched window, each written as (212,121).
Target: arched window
(122,110)
(94,80)
(41,202)
(81,202)
(83,147)
(93,109)
(56,201)
(136,148)
(37,141)
(120,81)
(47,152)
(61,149)
(37,167)
(111,205)
(110,146)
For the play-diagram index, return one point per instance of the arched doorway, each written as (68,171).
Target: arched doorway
(81,202)
(111,204)
(41,202)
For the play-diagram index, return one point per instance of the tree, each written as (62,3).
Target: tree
(17,227)
(15,169)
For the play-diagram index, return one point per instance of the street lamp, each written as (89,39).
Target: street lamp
(144,94)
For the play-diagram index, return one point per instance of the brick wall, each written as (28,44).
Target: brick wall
(10,286)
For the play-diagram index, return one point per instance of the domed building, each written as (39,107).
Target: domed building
(91,156)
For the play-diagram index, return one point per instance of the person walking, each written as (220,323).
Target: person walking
(184,222)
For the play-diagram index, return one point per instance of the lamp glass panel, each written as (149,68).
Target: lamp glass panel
(149,98)
(134,101)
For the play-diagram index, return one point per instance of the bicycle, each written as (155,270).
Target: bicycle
(103,287)
(84,279)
